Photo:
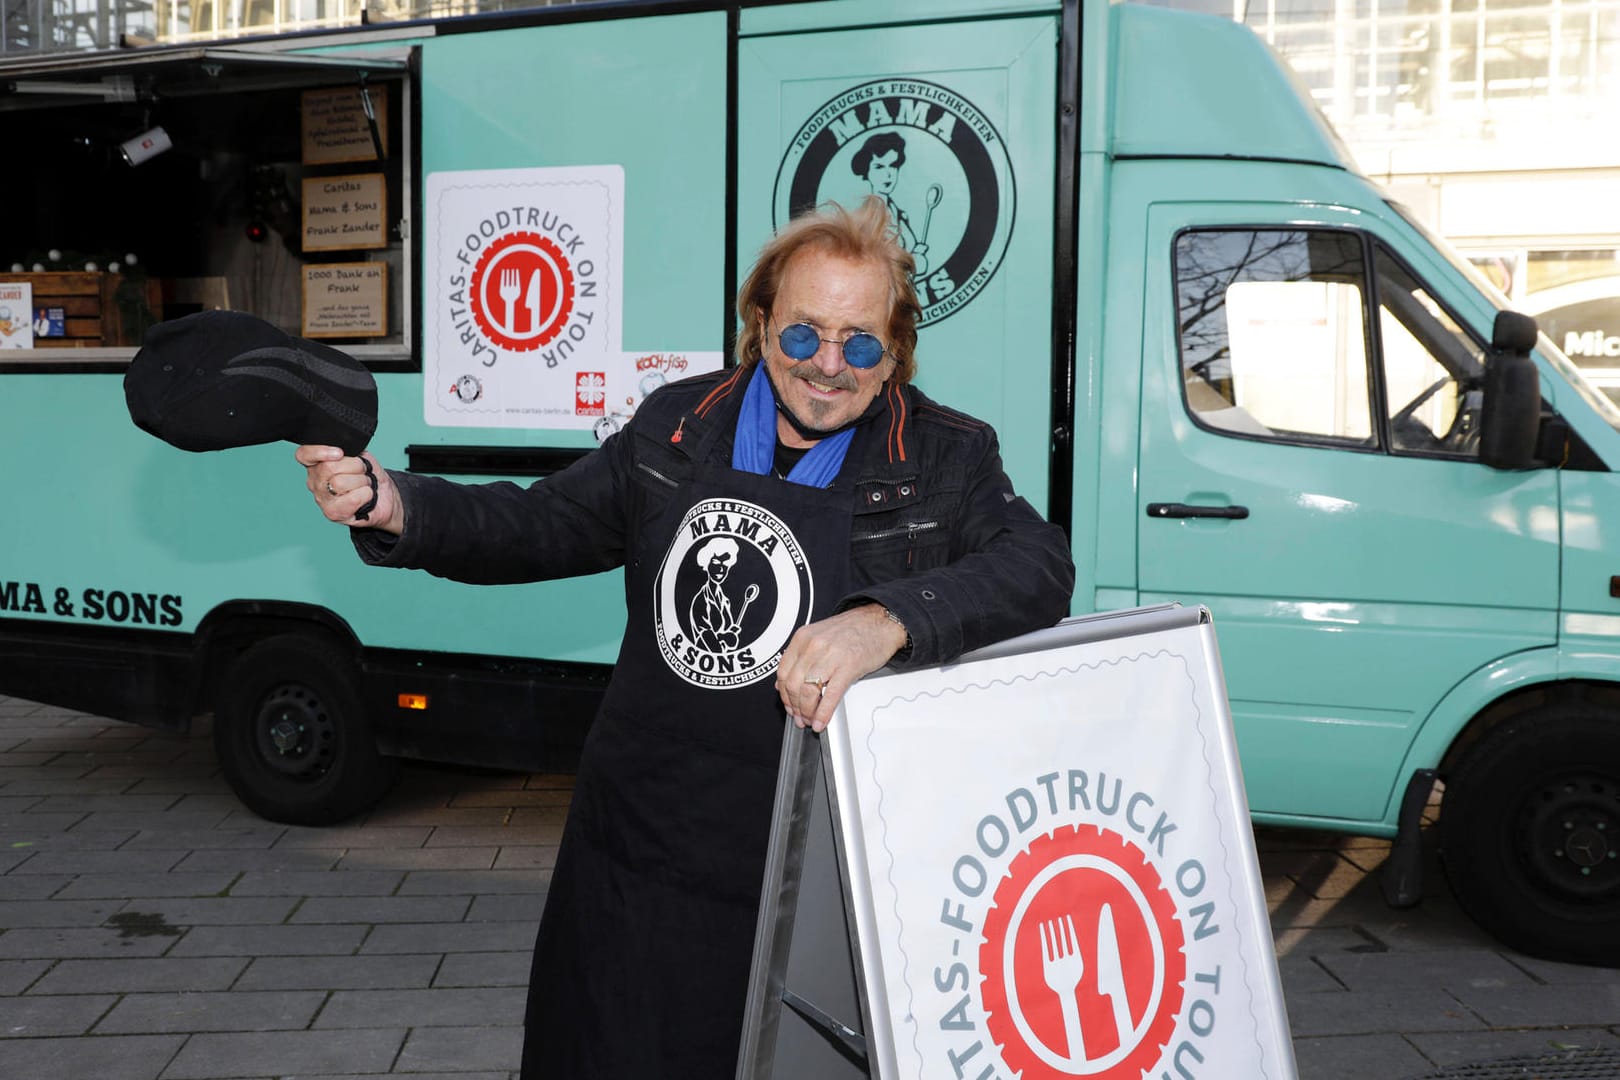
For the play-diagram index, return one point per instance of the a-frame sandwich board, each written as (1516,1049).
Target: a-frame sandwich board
(958,832)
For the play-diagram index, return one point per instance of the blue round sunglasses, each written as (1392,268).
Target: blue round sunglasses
(800,341)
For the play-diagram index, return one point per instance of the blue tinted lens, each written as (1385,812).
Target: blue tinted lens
(800,341)
(862,350)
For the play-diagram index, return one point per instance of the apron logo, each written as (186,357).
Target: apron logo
(733,587)
(933,158)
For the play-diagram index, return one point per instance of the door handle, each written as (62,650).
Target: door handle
(1183,510)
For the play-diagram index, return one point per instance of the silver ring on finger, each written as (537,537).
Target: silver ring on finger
(330,490)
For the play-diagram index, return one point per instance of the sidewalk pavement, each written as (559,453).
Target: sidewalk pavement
(153,929)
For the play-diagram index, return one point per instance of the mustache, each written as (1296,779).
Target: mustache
(806,369)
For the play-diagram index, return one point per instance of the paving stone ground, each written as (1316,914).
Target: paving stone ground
(151,928)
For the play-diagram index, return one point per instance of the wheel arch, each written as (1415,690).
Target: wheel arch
(235,626)
(1493,694)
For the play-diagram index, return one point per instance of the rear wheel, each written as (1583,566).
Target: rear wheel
(292,737)
(1530,833)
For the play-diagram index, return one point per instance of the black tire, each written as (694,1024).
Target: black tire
(1530,833)
(292,736)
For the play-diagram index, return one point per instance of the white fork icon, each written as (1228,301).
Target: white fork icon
(1063,965)
(510,287)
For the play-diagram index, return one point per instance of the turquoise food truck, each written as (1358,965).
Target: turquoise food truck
(1215,352)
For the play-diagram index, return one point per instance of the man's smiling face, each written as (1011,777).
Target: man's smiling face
(838,297)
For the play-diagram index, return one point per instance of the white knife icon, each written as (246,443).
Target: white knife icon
(1111,976)
(531,300)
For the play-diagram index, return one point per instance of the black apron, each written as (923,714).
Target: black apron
(642,960)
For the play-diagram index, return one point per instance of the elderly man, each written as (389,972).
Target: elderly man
(871,526)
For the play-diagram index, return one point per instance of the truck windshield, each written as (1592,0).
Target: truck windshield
(1600,402)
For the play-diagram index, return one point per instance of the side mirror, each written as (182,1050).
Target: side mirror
(1513,333)
(1510,416)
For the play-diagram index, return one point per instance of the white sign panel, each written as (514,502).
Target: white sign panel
(523,298)
(1054,871)
(16,315)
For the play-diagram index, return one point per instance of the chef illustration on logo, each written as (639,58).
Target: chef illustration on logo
(1083,959)
(937,162)
(878,162)
(732,588)
(712,624)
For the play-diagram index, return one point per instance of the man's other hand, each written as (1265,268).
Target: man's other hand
(826,658)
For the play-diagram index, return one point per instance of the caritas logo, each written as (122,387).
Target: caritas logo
(522,291)
(523,282)
(1083,937)
(1083,959)
(590,393)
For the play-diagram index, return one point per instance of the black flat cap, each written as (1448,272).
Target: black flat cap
(219,379)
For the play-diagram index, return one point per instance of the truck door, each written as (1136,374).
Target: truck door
(953,126)
(1309,471)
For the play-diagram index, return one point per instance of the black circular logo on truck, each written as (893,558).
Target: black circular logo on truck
(934,159)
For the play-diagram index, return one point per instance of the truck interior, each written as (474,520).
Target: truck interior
(165,182)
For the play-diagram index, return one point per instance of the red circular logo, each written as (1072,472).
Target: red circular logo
(1082,959)
(522,291)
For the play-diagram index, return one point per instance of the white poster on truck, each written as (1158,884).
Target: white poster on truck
(16,315)
(523,297)
(1060,868)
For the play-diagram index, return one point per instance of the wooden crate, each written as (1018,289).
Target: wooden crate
(97,313)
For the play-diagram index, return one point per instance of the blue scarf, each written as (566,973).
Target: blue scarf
(755,447)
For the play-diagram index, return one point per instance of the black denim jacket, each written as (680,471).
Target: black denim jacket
(939,538)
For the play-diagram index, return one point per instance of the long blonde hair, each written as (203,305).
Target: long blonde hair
(864,234)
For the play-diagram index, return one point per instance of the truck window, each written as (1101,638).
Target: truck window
(1272,334)
(1432,368)
(1274,344)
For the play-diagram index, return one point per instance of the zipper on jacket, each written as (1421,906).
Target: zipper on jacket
(908,530)
(656,475)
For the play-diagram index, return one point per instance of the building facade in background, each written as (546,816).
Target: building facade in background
(1493,124)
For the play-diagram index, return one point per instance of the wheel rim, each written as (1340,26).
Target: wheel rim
(1570,836)
(293,733)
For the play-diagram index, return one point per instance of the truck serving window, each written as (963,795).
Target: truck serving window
(1274,333)
(164,182)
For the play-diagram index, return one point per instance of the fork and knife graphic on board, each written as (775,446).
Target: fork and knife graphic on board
(1063,966)
(510,288)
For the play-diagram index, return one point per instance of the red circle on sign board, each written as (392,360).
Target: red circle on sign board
(1127,985)
(522,291)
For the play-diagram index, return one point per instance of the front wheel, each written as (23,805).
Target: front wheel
(1530,833)
(292,737)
